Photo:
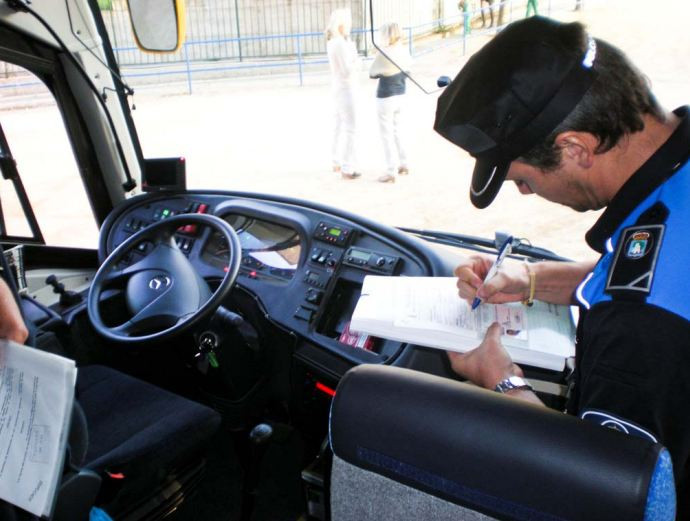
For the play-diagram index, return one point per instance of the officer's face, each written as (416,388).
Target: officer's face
(565,184)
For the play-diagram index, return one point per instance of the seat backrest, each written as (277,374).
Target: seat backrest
(409,445)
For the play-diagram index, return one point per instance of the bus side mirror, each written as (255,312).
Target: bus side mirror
(158,25)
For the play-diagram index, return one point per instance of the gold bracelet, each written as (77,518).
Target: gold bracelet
(532,285)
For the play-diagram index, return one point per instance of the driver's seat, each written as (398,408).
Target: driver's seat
(134,450)
(138,436)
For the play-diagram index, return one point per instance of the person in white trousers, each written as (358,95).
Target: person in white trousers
(388,67)
(344,63)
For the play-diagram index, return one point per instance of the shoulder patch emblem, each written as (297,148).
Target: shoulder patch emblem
(638,245)
(632,269)
(611,421)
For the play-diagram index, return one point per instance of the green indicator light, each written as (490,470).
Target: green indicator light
(334,231)
(166,212)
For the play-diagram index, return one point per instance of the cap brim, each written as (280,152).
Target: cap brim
(487,178)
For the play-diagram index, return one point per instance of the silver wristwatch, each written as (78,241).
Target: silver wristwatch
(513,382)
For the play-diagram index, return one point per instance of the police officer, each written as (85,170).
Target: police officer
(569,118)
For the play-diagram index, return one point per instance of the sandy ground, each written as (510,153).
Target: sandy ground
(270,135)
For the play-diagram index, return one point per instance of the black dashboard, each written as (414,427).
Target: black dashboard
(303,263)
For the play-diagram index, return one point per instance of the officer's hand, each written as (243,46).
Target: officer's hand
(510,284)
(488,364)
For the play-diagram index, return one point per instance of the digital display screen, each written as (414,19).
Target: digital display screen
(361,255)
(335,232)
(270,248)
(166,173)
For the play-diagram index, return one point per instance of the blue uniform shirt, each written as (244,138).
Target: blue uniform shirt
(633,352)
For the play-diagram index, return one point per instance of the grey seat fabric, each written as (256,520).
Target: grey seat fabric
(408,445)
(360,495)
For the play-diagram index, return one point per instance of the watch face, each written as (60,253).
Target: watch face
(512,382)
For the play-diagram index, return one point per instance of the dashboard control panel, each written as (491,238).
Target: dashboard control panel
(185,237)
(332,234)
(315,278)
(304,266)
(328,258)
(370,260)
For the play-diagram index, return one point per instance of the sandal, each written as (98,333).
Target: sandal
(387,179)
(351,175)
(403,170)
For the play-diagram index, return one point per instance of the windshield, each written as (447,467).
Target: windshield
(40,149)
(249,102)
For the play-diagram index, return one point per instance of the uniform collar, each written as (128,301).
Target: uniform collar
(657,169)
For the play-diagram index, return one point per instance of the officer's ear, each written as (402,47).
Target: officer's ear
(579,147)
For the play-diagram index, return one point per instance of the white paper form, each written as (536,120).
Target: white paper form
(36,399)
(434,303)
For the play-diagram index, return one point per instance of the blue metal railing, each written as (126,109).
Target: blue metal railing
(300,61)
(416,35)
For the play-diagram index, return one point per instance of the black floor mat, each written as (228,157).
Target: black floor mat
(274,470)
(279,495)
(218,496)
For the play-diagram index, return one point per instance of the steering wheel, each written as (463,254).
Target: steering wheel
(164,293)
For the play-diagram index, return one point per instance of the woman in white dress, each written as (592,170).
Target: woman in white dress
(344,62)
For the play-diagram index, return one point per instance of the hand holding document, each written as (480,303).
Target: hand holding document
(36,399)
(427,311)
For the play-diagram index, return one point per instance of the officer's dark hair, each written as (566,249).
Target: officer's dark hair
(612,107)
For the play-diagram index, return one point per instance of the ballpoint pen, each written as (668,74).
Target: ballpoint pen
(505,249)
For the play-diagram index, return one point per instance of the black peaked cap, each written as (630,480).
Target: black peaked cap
(512,94)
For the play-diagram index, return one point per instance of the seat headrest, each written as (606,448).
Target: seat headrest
(490,453)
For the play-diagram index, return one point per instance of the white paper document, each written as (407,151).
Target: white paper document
(36,399)
(428,311)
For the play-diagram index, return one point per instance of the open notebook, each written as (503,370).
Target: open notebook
(427,311)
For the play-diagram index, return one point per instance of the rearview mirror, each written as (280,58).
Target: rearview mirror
(159,25)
